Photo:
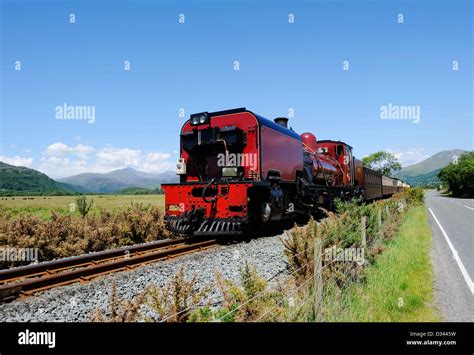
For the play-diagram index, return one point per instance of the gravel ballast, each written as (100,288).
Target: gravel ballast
(76,302)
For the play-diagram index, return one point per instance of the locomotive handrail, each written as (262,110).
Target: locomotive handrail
(213,199)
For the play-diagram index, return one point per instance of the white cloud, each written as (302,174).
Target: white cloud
(59,150)
(158,162)
(118,157)
(17,161)
(158,167)
(157,157)
(82,151)
(410,156)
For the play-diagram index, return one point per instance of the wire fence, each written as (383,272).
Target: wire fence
(315,294)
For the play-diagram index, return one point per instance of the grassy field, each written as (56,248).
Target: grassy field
(399,286)
(41,206)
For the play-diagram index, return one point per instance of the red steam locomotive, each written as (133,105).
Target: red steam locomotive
(238,170)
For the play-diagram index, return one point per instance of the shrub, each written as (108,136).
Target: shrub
(175,302)
(120,310)
(83,205)
(414,195)
(172,303)
(459,176)
(242,302)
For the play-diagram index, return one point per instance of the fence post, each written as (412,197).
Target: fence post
(363,222)
(318,280)
(388,212)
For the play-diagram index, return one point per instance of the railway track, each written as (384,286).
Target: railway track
(24,281)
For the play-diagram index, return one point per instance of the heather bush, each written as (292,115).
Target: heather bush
(65,235)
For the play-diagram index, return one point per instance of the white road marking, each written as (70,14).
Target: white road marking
(460,204)
(457,203)
(455,255)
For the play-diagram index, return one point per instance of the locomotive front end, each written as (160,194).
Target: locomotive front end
(207,209)
(218,166)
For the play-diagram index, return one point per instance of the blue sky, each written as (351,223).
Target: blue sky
(283,67)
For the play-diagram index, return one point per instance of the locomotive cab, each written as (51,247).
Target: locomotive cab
(342,153)
(215,153)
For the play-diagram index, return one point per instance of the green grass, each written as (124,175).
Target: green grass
(41,206)
(398,287)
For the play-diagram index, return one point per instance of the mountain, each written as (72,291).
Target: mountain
(117,180)
(435,162)
(18,180)
(426,172)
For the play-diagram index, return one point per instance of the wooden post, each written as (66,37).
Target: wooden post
(379,222)
(318,280)
(363,222)
(388,212)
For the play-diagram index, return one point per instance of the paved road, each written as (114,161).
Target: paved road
(452,254)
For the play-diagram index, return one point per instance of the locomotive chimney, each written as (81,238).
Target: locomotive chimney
(282,121)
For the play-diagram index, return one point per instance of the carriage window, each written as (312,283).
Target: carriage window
(339,150)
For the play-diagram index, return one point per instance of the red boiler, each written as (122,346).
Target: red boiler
(325,169)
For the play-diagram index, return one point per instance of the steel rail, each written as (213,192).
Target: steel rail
(87,268)
(51,266)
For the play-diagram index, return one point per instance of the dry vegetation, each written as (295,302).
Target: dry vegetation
(173,303)
(66,235)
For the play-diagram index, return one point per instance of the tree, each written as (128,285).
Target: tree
(382,162)
(458,176)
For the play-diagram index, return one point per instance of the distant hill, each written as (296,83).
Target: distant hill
(117,180)
(426,180)
(18,180)
(139,191)
(425,173)
(435,162)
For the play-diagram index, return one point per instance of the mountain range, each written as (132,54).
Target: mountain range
(17,180)
(117,180)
